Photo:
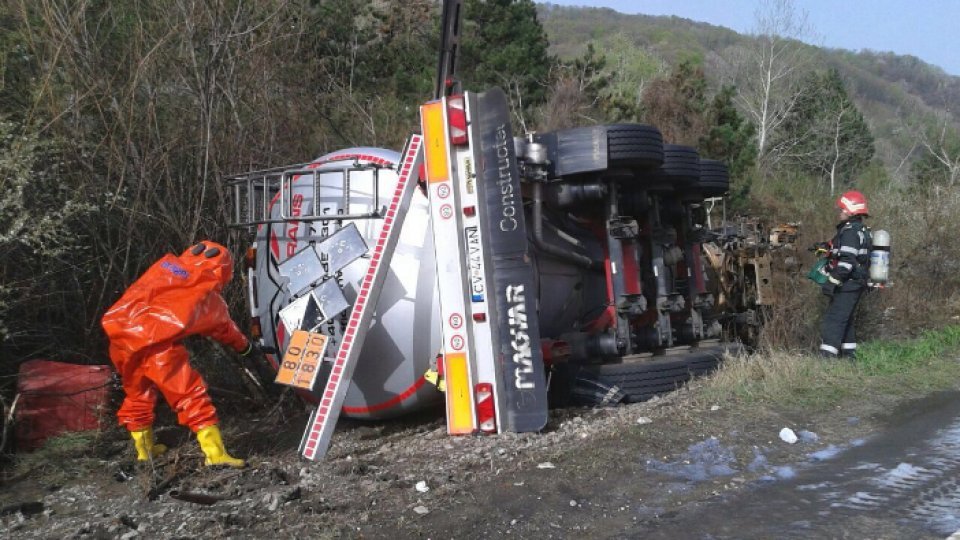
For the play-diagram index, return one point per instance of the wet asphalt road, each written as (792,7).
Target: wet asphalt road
(901,483)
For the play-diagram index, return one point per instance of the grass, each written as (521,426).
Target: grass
(891,368)
(899,357)
(60,457)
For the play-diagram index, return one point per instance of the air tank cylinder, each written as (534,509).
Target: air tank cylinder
(880,257)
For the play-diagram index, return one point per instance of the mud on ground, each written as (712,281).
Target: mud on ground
(591,473)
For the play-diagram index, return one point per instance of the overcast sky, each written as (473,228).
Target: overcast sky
(927,29)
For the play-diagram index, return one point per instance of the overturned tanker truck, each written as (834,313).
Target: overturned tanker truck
(528,271)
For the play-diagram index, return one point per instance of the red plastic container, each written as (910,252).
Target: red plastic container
(56,397)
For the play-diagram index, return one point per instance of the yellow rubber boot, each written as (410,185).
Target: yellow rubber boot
(147,449)
(212,445)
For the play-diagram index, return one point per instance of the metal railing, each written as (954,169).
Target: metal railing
(267,196)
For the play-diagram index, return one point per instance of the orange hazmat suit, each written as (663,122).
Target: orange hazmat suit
(175,298)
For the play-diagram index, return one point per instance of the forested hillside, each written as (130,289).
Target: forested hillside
(905,101)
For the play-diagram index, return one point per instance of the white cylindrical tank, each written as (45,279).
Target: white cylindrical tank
(880,257)
(404,338)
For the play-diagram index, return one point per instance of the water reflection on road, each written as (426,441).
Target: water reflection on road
(902,483)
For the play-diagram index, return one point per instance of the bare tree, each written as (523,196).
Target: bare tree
(836,124)
(140,105)
(943,144)
(827,158)
(768,73)
(571,98)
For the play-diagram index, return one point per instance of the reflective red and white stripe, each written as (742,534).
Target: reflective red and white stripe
(316,439)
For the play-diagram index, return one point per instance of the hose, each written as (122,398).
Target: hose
(575,258)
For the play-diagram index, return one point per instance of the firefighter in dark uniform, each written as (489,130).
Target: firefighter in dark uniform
(849,270)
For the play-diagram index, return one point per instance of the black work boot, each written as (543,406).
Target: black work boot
(822,353)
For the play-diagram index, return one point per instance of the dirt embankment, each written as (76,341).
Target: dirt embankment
(594,472)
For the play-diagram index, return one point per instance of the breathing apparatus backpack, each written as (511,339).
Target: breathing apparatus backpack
(880,259)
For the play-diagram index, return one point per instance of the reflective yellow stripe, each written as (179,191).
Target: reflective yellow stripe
(459,413)
(434,141)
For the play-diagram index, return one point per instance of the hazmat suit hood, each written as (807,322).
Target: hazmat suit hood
(208,256)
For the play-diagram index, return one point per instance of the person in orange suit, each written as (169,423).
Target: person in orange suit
(175,298)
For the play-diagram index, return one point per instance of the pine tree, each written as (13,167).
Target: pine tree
(825,134)
(503,44)
(730,138)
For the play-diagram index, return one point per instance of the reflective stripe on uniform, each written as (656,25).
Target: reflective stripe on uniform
(849,249)
(828,348)
(846,265)
(849,346)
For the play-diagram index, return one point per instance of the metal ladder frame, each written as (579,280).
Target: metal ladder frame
(255,193)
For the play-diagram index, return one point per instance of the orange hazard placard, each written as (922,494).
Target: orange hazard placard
(301,362)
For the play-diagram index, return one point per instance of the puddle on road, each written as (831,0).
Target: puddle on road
(829,452)
(701,462)
(759,462)
(902,482)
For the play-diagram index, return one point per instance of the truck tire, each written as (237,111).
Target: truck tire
(638,146)
(680,163)
(708,358)
(574,151)
(680,169)
(714,178)
(639,381)
(650,393)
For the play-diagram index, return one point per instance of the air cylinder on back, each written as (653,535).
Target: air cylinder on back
(880,258)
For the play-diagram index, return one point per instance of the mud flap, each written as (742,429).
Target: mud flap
(516,333)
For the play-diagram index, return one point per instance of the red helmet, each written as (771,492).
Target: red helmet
(853,203)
